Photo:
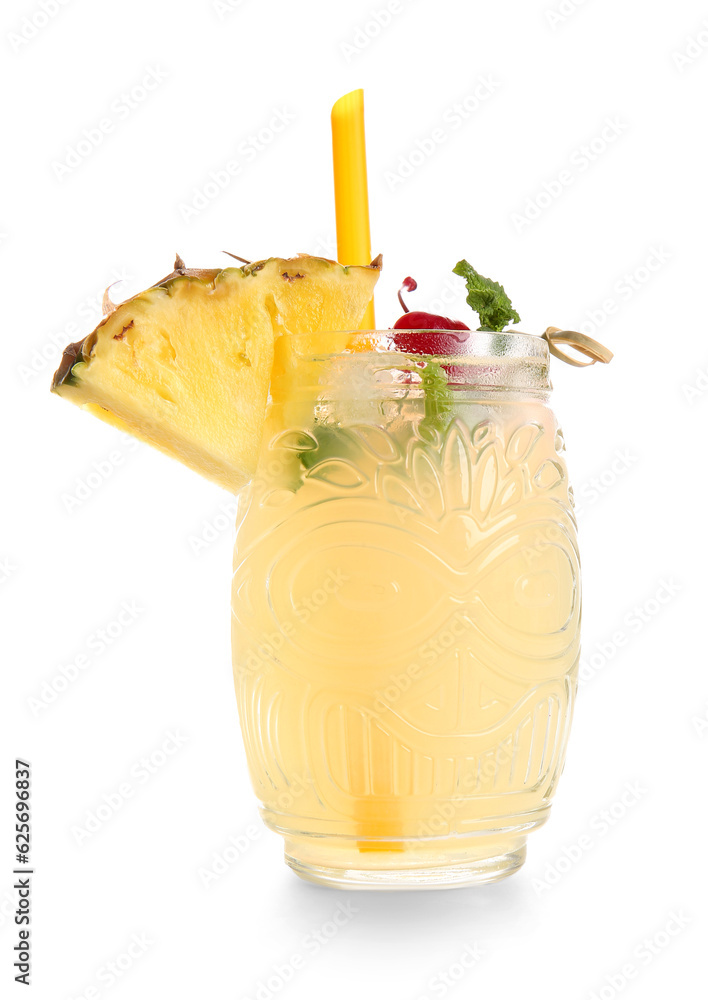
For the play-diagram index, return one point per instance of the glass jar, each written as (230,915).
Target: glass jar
(406,606)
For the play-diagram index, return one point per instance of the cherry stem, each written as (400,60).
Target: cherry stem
(410,285)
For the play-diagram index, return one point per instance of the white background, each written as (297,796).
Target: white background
(567,924)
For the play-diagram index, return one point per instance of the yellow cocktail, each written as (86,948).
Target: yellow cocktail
(406,608)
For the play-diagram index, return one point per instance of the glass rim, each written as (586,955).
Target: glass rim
(484,359)
(461,344)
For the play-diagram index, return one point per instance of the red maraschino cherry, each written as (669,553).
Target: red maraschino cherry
(421,339)
(419,320)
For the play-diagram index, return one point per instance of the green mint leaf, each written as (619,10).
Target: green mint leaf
(437,396)
(487,298)
(331,443)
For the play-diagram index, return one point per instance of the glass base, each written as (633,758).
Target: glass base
(492,851)
(476,872)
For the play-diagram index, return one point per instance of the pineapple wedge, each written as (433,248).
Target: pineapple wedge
(186,365)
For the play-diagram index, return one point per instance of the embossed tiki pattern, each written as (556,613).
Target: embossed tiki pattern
(406,614)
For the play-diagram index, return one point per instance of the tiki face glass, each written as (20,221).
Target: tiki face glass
(406,608)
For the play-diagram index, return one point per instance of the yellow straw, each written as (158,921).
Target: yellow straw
(376,821)
(351,192)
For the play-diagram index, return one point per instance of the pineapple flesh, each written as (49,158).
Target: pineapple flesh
(186,365)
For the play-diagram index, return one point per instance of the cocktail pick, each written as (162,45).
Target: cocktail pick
(592,349)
